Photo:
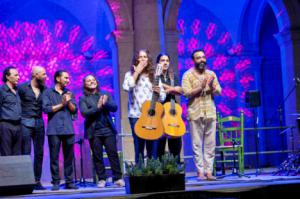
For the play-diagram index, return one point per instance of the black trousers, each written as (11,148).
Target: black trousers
(174,145)
(67,142)
(139,144)
(110,145)
(37,135)
(10,138)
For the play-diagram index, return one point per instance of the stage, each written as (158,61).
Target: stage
(264,185)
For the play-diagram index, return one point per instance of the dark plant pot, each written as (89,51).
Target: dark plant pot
(157,183)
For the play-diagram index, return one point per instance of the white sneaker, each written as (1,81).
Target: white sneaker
(101,184)
(120,183)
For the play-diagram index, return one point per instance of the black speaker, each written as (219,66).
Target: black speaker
(16,175)
(252,98)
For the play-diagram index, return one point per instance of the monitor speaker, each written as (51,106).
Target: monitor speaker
(252,98)
(16,175)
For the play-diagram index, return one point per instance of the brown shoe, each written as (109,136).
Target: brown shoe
(210,177)
(201,176)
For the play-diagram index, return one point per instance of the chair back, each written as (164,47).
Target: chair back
(231,130)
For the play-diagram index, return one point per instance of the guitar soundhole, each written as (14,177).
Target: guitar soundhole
(151,112)
(173,112)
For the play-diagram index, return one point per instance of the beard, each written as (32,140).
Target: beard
(40,82)
(201,65)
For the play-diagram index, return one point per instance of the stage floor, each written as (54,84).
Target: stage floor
(228,184)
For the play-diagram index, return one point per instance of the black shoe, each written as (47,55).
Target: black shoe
(55,187)
(39,186)
(70,186)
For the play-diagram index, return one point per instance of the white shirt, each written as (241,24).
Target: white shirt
(139,92)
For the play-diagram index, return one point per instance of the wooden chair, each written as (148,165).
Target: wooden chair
(230,141)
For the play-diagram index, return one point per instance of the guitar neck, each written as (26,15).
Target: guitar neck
(155,95)
(172,98)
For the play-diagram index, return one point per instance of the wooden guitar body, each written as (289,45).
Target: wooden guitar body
(172,120)
(149,126)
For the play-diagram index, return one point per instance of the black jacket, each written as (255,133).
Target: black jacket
(92,114)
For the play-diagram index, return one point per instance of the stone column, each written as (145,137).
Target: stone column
(146,26)
(125,50)
(171,48)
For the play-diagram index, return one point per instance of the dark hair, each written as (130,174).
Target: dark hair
(170,71)
(160,55)
(195,51)
(6,72)
(86,91)
(57,74)
(149,68)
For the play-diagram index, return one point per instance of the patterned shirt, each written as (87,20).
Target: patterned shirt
(139,92)
(201,105)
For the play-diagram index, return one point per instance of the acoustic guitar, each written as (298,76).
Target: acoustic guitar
(172,120)
(149,126)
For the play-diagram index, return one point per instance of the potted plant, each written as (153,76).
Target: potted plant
(155,175)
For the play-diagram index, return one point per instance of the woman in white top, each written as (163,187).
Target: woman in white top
(138,83)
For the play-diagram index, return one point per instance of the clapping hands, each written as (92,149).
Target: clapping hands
(102,101)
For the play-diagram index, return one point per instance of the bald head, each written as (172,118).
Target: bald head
(38,73)
(37,69)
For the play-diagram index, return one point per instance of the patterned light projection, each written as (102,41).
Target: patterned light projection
(115,6)
(200,29)
(56,46)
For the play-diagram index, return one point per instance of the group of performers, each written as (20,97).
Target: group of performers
(21,108)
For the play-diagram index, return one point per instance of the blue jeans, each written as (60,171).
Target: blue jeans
(139,144)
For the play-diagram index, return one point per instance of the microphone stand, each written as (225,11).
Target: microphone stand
(291,163)
(280,106)
(256,133)
(235,171)
(82,181)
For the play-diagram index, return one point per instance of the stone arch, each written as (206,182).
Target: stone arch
(170,14)
(288,21)
(251,19)
(123,14)
(286,13)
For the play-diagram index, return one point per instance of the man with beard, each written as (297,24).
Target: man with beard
(10,114)
(32,122)
(200,85)
(60,105)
